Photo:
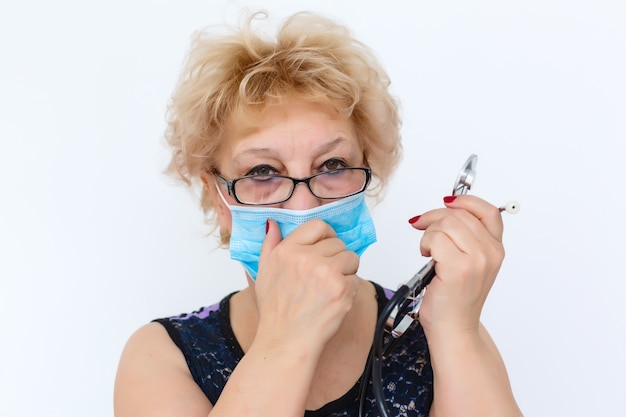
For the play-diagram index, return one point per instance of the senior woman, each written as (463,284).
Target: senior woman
(285,135)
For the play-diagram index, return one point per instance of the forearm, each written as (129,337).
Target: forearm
(470,378)
(268,381)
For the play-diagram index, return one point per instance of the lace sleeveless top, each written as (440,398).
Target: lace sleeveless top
(207,341)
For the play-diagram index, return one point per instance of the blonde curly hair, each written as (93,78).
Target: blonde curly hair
(229,79)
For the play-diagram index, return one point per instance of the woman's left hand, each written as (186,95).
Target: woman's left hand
(465,241)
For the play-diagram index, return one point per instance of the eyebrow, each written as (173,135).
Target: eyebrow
(269,152)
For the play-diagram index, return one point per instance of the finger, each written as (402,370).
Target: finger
(444,244)
(346,262)
(312,232)
(318,233)
(488,214)
(463,229)
(449,246)
(272,237)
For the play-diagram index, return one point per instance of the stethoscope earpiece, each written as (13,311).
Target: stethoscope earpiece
(512,207)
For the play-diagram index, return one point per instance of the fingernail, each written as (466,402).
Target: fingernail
(449,199)
(267,225)
(414,219)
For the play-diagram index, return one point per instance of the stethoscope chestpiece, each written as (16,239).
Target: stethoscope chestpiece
(466,176)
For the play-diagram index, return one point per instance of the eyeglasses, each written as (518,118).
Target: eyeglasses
(260,190)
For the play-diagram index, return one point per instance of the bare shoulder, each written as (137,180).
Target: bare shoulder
(153,378)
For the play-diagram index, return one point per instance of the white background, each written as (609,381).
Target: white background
(95,241)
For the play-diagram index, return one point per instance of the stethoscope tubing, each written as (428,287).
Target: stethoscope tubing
(406,296)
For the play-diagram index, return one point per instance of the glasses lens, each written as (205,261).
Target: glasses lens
(339,183)
(263,189)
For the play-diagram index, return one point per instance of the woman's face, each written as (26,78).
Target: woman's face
(297,139)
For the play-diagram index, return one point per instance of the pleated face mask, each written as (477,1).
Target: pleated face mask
(349,217)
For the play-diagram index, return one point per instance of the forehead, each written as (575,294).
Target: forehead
(289,124)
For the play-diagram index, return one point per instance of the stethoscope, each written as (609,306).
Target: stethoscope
(403,308)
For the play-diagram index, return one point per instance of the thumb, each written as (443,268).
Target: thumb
(272,237)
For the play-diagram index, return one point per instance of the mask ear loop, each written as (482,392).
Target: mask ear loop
(224,236)
(219,191)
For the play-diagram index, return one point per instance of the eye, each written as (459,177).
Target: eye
(261,170)
(333,164)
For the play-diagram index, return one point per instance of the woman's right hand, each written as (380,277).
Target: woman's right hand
(306,284)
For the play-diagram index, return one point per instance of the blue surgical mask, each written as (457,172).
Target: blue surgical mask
(349,217)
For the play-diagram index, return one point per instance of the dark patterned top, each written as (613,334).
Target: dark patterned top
(208,343)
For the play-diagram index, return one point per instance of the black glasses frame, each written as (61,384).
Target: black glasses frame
(230,184)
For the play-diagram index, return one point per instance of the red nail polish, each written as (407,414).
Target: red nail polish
(449,199)
(267,225)
(414,219)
